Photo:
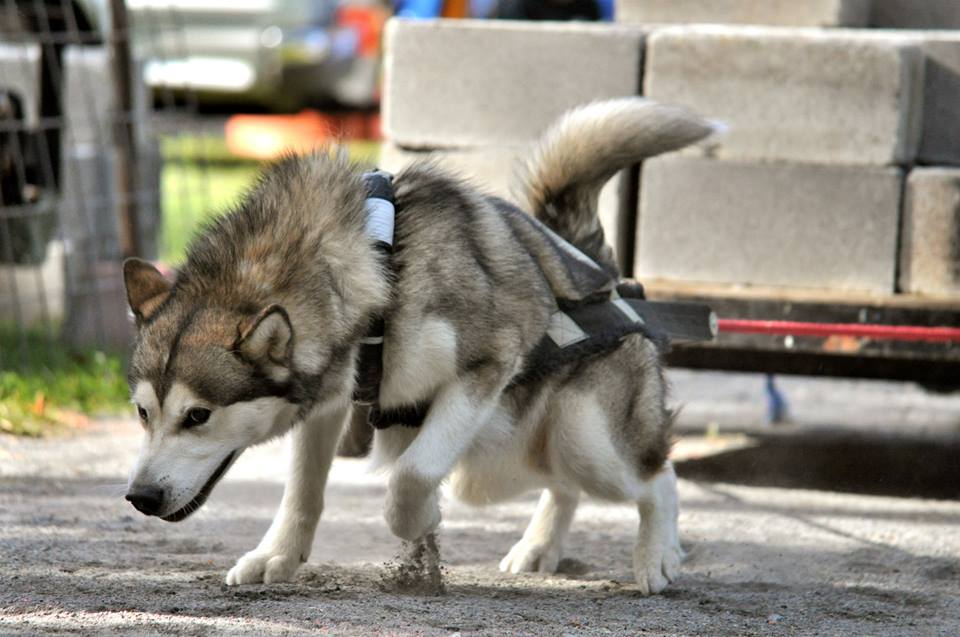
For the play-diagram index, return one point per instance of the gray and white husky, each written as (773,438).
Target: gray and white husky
(259,335)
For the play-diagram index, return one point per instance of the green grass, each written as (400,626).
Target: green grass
(55,387)
(194,193)
(201,180)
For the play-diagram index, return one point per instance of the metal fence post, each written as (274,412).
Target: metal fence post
(124,139)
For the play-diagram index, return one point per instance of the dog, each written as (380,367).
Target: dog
(260,334)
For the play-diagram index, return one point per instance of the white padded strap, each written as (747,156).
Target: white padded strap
(380,219)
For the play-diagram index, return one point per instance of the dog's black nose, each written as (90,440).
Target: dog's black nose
(146,500)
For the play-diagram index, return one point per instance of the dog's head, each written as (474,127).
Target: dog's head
(261,328)
(207,381)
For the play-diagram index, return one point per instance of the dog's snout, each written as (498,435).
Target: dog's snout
(146,500)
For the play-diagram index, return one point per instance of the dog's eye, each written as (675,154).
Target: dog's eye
(196,416)
(142,413)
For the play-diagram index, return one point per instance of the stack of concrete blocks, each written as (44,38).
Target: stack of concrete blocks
(836,169)
(878,14)
(808,13)
(96,304)
(803,190)
(475,95)
(914,14)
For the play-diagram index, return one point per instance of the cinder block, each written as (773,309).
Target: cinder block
(915,14)
(495,170)
(795,94)
(769,224)
(930,247)
(940,141)
(808,13)
(461,83)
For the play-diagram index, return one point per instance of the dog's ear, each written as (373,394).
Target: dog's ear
(147,288)
(267,340)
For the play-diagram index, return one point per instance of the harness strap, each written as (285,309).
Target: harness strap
(578,330)
(381,213)
(380,208)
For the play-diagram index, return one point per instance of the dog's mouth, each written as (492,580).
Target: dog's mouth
(193,505)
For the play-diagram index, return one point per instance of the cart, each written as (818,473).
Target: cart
(824,333)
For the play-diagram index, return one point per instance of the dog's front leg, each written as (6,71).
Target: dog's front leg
(456,415)
(287,543)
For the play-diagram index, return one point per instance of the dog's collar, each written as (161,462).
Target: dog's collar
(381,216)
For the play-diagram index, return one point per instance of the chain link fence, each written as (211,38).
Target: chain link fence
(80,169)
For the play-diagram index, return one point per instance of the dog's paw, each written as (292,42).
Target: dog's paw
(263,566)
(656,566)
(410,512)
(532,557)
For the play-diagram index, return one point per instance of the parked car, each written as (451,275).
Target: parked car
(283,54)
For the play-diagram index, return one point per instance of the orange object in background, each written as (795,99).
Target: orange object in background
(269,136)
(368,23)
(456,9)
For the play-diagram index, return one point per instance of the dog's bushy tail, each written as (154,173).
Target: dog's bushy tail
(585,148)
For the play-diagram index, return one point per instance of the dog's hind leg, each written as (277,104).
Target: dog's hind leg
(657,555)
(541,546)
(287,543)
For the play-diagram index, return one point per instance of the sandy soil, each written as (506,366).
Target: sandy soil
(76,559)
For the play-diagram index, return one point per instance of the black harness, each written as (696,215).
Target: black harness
(380,209)
(576,332)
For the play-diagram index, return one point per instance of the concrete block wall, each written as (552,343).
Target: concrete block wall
(805,189)
(474,95)
(883,14)
(769,223)
(940,138)
(814,13)
(469,83)
(822,179)
(915,14)
(795,94)
(930,252)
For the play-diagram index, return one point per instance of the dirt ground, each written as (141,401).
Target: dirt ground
(76,559)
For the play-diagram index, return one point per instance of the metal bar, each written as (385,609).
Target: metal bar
(124,140)
(826,330)
(928,371)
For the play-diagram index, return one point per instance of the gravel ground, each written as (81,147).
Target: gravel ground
(76,558)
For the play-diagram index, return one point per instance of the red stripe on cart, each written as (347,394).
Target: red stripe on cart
(826,330)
